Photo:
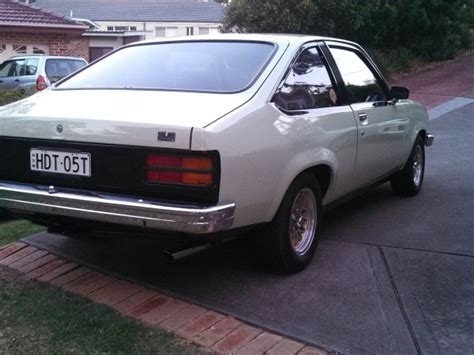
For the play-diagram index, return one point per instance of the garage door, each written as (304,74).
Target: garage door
(8,50)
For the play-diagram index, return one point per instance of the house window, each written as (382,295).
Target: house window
(20,49)
(121,28)
(160,32)
(37,50)
(166,31)
(97,52)
(171,31)
(189,31)
(203,30)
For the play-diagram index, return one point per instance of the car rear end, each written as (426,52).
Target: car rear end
(111,164)
(111,146)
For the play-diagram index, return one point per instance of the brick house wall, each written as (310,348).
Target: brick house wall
(59,43)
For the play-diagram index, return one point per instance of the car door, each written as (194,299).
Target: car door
(315,119)
(11,72)
(382,125)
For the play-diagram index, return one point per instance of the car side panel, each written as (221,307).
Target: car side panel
(382,138)
(263,151)
(418,119)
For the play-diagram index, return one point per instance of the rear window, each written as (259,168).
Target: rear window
(56,69)
(215,66)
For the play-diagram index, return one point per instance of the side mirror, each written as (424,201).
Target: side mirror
(399,93)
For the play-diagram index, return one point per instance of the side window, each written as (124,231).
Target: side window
(308,84)
(360,81)
(31,66)
(12,68)
(5,68)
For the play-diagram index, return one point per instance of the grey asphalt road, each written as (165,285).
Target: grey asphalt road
(392,275)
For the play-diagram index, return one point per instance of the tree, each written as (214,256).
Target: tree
(429,29)
(269,16)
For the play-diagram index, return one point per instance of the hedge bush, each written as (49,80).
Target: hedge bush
(9,96)
(401,33)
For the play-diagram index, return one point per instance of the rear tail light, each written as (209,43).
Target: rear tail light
(175,169)
(41,83)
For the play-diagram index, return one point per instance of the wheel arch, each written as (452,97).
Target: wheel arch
(422,133)
(323,172)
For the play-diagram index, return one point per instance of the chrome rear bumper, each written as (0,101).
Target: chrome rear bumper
(115,209)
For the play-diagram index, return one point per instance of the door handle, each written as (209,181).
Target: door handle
(362,117)
(17,80)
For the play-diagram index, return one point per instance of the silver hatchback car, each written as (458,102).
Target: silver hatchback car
(36,71)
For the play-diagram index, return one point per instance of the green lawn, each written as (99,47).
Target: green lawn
(12,230)
(39,319)
(36,318)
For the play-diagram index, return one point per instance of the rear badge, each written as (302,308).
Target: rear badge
(167,136)
(59,128)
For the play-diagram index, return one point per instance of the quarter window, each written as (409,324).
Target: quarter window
(308,84)
(31,66)
(360,81)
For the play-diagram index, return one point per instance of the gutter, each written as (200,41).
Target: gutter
(42,25)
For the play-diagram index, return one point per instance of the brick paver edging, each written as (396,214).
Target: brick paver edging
(218,332)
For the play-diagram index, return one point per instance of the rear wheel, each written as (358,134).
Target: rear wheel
(292,237)
(409,181)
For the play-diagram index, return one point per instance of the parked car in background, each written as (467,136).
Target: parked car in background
(36,71)
(205,136)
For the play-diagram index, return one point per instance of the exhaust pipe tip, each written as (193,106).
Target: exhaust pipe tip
(185,253)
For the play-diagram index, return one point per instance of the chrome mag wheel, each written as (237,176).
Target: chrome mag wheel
(303,221)
(417,165)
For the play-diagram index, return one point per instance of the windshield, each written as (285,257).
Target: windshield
(213,66)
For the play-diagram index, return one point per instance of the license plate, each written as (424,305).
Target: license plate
(52,161)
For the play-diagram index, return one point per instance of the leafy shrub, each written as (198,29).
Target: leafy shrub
(401,33)
(9,96)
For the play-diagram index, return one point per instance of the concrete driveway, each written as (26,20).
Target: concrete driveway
(392,275)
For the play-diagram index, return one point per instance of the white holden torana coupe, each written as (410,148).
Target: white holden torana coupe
(206,136)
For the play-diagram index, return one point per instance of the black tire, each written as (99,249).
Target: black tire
(408,182)
(282,255)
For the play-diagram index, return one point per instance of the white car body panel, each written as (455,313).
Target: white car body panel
(266,149)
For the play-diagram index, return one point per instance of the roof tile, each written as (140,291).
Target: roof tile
(15,12)
(137,10)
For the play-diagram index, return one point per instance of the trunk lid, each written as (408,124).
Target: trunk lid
(131,117)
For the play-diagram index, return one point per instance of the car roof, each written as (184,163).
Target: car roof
(296,39)
(43,56)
